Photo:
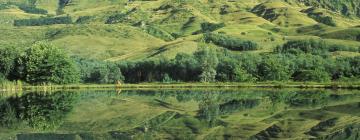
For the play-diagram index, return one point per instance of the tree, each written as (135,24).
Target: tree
(274,68)
(185,67)
(230,42)
(44,63)
(8,59)
(230,70)
(317,75)
(208,62)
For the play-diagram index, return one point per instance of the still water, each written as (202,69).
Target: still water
(181,114)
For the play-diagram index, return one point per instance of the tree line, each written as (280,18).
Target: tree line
(40,63)
(294,61)
(231,43)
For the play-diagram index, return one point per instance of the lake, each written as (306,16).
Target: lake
(181,114)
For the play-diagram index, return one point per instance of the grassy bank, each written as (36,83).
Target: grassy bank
(332,85)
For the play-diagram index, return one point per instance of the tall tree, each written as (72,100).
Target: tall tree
(208,61)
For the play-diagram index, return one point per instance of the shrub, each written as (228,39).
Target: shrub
(83,19)
(312,46)
(44,63)
(327,20)
(116,18)
(209,27)
(32,9)
(231,43)
(274,68)
(316,75)
(43,21)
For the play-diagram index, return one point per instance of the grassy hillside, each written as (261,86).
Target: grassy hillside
(119,29)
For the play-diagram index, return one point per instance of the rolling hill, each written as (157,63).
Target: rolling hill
(134,29)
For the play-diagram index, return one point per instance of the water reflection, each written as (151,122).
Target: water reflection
(181,114)
(38,110)
(209,108)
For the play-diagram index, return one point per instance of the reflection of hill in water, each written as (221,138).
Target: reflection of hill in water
(245,114)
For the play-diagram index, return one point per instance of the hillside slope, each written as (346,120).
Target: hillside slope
(122,29)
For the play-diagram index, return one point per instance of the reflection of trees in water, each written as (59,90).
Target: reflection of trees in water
(209,108)
(213,104)
(238,105)
(38,110)
(236,100)
(309,98)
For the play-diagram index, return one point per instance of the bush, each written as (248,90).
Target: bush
(43,21)
(44,63)
(83,19)
(209,27)
(32,9)
(116,18)
(316,75)
(61,6)
(312,46)
(327,20)
(9,56)
(230,70)
(231,43)
(274,68)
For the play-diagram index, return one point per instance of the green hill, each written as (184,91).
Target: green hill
(129,30)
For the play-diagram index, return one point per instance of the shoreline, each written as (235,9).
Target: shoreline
(333,85)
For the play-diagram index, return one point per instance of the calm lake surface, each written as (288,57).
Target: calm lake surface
(181,114)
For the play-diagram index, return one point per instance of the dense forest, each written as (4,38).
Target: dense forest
(306,60)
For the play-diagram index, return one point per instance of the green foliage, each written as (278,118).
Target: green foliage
(274,68)
(208,65)
(231,43)
(186,67)
(145,71)
(167,79)
(209,27)
(324,19)
(43,21)
(346,8)
(38,110)
(320,17)
(61,6)
(117,18)
(4,6)
(83,19)
(208,62)
(2,78)
(230,70)
(105,74)
(32,9)
(312,46)
(9,56)
(224,9)
(44,63)
(92,71)
(316,75)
